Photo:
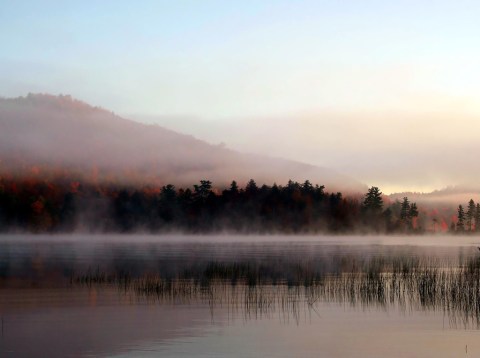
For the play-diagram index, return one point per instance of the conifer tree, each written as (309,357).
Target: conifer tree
(405,210)
(234,188)
(470,215)
(461,219)
(373,202)
(203,191)
(372,207)
(307,187)
(251,187)
(477,217)
(413,213)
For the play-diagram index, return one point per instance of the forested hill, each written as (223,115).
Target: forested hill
(44,134)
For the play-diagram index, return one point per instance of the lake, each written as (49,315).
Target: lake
(239,296)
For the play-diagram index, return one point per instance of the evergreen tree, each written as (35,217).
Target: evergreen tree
(405,210)
(319,192)
(168,193)
(203,191)
(372,207)
(477,217)
(373,202)
(251,188)
(461,219)
(470,215)
(292,186)
(234,188)
(413,213)
(307,187)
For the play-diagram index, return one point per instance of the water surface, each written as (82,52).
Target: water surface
(238,296)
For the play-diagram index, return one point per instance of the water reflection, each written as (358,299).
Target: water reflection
(102,298)
(404,283)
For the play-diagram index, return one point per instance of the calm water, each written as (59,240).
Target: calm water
(238,296)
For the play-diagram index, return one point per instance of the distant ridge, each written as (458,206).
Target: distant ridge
(449,195)
(42,132)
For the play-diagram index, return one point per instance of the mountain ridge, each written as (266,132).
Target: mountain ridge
(455,194)
(60,131)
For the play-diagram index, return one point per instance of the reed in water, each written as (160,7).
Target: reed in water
(403,283)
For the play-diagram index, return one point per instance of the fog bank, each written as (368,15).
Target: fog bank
(41,132)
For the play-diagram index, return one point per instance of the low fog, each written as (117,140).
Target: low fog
(43,131)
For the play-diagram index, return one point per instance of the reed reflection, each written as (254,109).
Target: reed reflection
(292,288)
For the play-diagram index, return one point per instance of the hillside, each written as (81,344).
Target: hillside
(450,196)
(44,133)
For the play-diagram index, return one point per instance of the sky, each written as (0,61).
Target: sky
(386,91)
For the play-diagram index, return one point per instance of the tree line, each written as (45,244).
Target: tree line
(467,221)
(37,205)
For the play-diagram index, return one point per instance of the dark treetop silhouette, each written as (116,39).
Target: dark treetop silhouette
(40,205)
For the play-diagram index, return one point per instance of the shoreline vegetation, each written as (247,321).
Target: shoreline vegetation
(290,286)
(62,206)
(260,284)
(405,285)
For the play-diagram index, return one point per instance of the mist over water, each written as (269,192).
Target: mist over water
(36,258)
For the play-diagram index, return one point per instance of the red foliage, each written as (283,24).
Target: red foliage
(74,185)
(37,207)
(444,226)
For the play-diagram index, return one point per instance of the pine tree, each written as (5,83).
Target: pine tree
(234,188)
(407,213)
(251,188)
(470,215)
(477,217)
(372,207)
(373,202)
(307,187)
(203,191)
(461,219)
(413,213)
(405,210)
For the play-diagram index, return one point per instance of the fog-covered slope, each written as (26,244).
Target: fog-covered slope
(452,196)
(44,131)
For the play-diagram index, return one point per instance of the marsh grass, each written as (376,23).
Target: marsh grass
(259,290)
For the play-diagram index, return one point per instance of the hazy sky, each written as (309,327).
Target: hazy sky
(388,91)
